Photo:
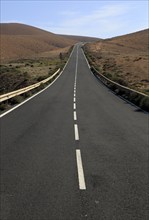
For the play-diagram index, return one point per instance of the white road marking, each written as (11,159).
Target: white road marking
(82,185)
(75,115)
(76,67)
(76,132)
(75,81)
(86,59)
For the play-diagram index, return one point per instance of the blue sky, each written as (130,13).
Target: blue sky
(102,19)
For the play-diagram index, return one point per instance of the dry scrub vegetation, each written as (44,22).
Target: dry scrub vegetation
(17,75)
(25,72)
(123,59)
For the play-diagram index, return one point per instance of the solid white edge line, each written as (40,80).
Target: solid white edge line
(82,185)
(85,58)
(75,115)
(76,67)
(76,132)
(74,105)
(12,109)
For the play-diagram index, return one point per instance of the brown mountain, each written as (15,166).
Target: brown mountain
(124,57)
(22,41)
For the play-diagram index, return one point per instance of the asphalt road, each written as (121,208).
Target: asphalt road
(76,151)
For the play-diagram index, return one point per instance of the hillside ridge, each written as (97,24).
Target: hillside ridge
(19,41)
(123,59)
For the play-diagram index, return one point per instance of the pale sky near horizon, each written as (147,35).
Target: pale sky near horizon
(102,18)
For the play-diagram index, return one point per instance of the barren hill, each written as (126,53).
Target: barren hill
(138,41)
(124,57)
(21,29)
(21,41)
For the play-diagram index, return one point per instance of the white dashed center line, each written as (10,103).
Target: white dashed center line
(82,185)
(74,106)
(75,116)
(76,132)
(81,178)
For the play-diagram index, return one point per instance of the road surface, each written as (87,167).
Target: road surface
(76,151)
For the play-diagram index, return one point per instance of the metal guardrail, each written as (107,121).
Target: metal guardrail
(110,83)
(26,89)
